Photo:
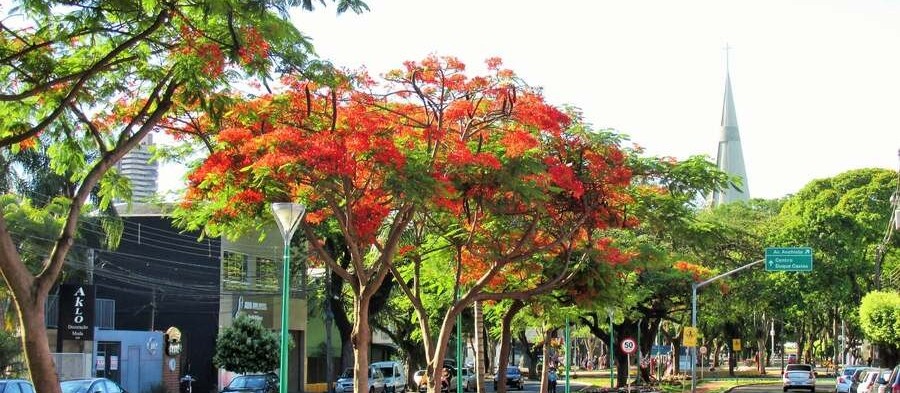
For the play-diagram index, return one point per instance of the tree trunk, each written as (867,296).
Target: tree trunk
(621,368)
(361,337)
(479,348)
(731,362)
(37,348)
(548,336)
(717,350)
(505,344)
(530,354)
(760,355)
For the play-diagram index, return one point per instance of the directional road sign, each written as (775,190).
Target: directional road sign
(628,346)
(789,259)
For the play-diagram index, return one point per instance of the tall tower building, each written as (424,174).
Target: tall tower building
(730,156)
(140,172)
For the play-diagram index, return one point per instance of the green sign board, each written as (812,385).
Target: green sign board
(789,259)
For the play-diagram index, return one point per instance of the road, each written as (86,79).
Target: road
(535,386)
(776,388)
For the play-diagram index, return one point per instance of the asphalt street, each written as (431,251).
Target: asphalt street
(776,388)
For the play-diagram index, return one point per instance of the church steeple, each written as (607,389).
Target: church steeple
(730,155)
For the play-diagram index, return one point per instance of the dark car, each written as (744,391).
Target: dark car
(257,383)
(90,385)
(514,378)
(16,386)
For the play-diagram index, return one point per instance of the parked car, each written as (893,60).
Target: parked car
(866,383)
(16,386)
(845,379)
(881,384)
(514,378)
(894,382)
(471,382)
(344,384)
(798,376)
(467,373)
(394,378)
(418,376)
(90,385)
(255,383)
(857,378)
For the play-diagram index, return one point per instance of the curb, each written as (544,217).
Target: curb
(741,386)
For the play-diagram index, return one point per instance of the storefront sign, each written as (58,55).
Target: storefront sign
(256,307)
(76,312)
(173,341)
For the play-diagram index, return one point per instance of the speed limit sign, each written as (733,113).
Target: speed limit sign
(628,346)
(703,350)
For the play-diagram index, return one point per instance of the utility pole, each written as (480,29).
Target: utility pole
(694,288)
(329,317)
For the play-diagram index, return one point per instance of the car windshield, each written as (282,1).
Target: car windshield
(75,386)
(387,371)
(512,370)
(348,373)
(799,367)
(248,382)
(849,371)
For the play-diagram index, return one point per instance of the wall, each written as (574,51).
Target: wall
(141,359)
(160,277)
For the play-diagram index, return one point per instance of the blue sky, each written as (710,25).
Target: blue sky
(816,84)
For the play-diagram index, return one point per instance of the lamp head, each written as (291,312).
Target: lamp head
(287,216)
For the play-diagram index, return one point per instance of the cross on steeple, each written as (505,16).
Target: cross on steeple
(727,50)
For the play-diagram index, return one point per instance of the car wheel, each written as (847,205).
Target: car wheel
(812,389)
(495,386)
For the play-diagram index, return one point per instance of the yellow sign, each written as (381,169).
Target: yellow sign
(689,338)
(736,344)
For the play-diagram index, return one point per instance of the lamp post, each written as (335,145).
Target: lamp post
(287,216)
(772,334)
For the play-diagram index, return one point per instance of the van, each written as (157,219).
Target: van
(394,378)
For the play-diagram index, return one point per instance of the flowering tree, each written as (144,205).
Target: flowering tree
(484,154)
(86,81)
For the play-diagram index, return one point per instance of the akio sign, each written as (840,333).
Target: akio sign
(76,312)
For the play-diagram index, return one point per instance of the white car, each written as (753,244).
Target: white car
(394,379)
(868,381)
(344,384)
(844,380)
(798,376)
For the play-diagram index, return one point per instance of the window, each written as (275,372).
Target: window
(234,270)
(266,273)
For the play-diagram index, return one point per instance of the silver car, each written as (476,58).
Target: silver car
(798,376)
(344,384)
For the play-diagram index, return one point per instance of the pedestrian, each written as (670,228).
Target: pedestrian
(551,378)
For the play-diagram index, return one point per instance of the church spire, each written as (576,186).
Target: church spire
(730,155)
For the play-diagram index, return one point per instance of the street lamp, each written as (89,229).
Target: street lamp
(771,334)
(287,216)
